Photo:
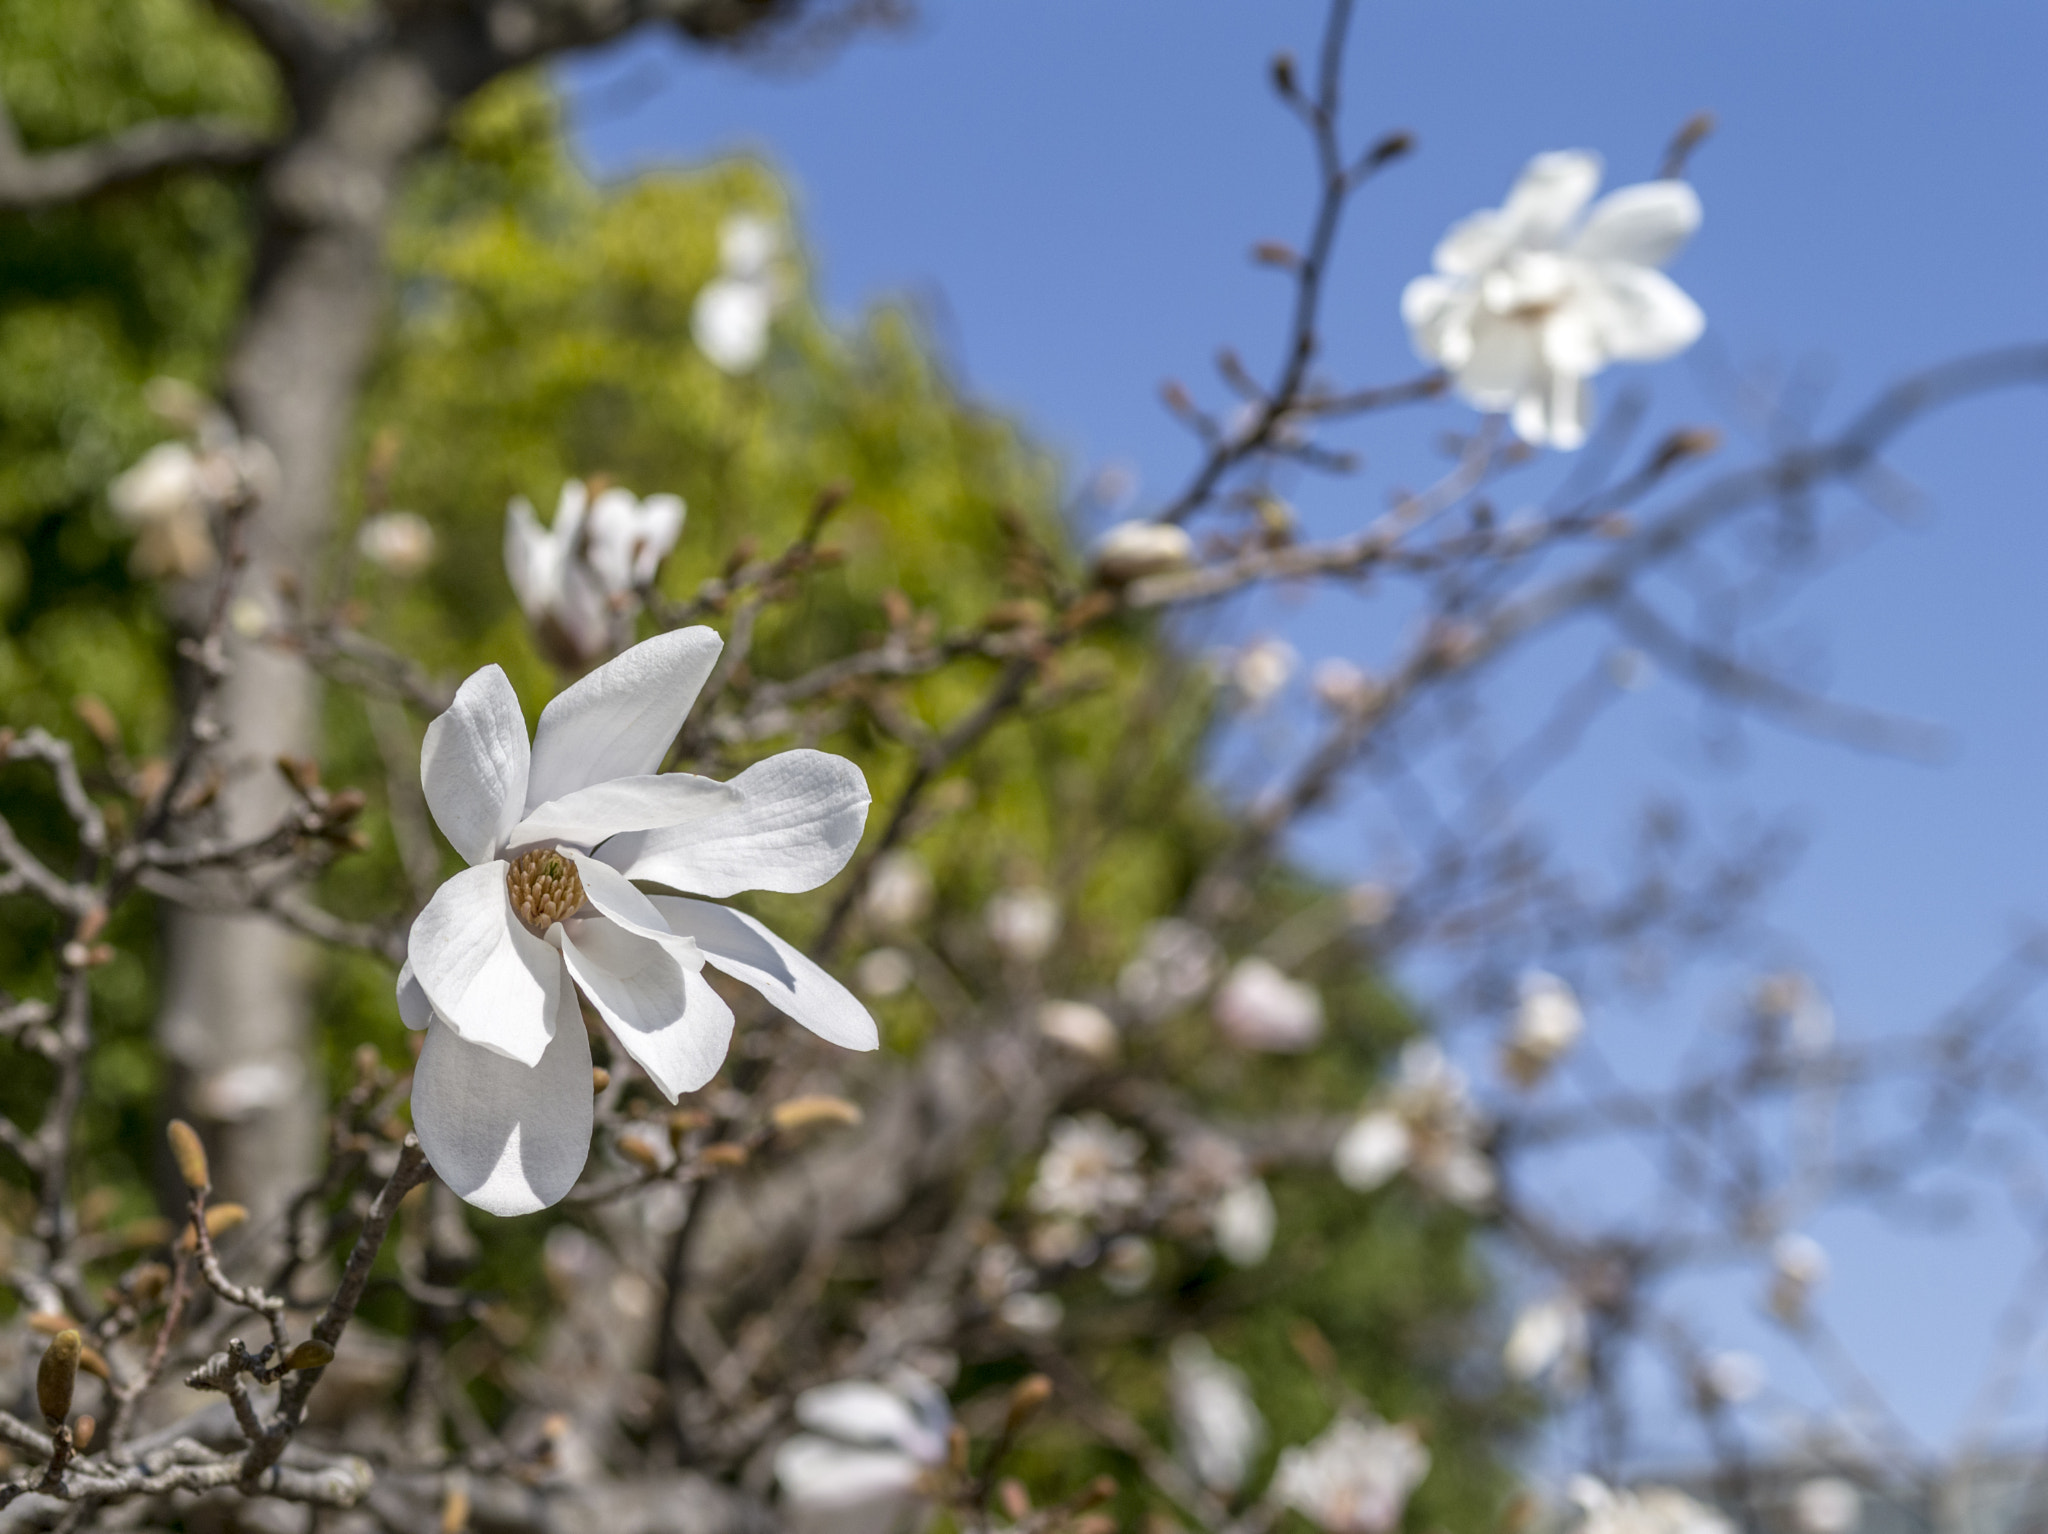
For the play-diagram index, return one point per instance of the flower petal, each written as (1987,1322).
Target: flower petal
(649,992)
(590,815)
(1439,313)
(1505,362)
(1372,1150)
(861,1412)
(1572,342)
(615,897)
(1643,315)
(618,721)
(414,1010)
(791,824)
(487,977)
(1645,225)
(1549,193)
(507,1137)
(864,1491)
(473,765)
(749,952)
(1473,244)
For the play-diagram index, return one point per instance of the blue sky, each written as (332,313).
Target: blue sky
(1068,191)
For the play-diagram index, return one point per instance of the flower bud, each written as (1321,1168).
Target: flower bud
(1031,1392)
(57,1376)
(639,1152)
(190,1155)
(725,1153)
(82,1431)
(310,1354)
(220,1219)
(816,1108)
(1130,550)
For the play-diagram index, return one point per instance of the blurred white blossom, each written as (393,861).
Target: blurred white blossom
(401,542)
(884,972)
(1548,1339)
(1423,1123)
(1023,924)
(1648,1510)
(1085,1029)
(1798,1265)
(1089,1170)
(172,493)
(899,890)
(1244,1222)
(1261,669)
(868,1459)
(1343,686)
(1793,1003)
(1174,966)
(1355,1478)
(1128,1264)
(1217,1426)
(1530,300)
(579,581)
(1259,1007)
(1732,1377)
(1548,1021)
(1130,550)
(1827,1504)
(733,311)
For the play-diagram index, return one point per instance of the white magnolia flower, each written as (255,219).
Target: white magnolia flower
(1023,924)
(1084,1029)
(1533,298)
(730,319)
(1131,550)
(1423,1123)
(1260,1007)
(1649,1510)
(1356,1478)
(1827,1504)
(401,542)
(1217,1426)
(869,1459)
(579,581)
(1548,1338)
(1244,1222)
(1548,1021)
(559,837)
(1089,1170)
(1175,964)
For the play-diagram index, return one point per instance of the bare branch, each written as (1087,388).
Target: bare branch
(81,171)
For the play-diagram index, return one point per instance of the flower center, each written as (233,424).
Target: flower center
(544,888)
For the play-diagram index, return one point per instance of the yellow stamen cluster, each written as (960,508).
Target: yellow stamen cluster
(544,888)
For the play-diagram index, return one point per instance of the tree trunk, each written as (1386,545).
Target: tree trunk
(235,1024)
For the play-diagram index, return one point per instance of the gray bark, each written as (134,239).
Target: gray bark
(236,991)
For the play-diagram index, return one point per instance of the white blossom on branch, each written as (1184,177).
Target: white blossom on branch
(1531,299)
(559,836)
